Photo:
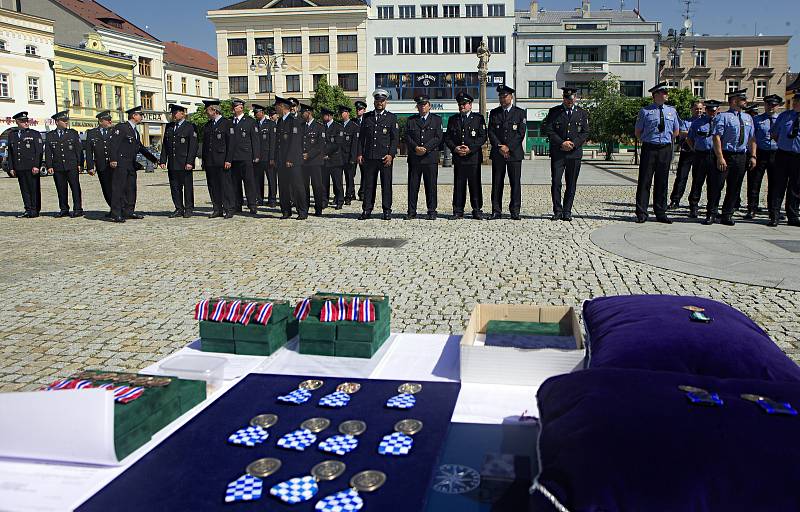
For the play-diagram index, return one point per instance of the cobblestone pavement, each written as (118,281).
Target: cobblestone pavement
(83,293)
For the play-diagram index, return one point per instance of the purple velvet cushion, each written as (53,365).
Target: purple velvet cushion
(654,332)
(620,440)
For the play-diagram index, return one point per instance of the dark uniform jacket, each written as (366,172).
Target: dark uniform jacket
(334,135)
(313,143)
(560,128)
(379,135)
(124,146)
(507,129)
(266,131)
(245,143)
(471,134)
(350,142)
(25,150)
(97,147)
(180,146)
(289,141)
(426,133)
(216,138)
(63,153)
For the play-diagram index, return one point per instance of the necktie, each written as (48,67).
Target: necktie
(463,119)
(661,125)
(741,128)
(60,133)
(103,132)
(235,121)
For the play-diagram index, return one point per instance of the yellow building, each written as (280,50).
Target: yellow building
(89,80)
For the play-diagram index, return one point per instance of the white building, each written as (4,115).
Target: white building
(26,81)
(557,49)
(190,76)
(421,47)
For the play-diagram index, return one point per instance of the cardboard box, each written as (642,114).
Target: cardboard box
(217,345)
(317,348)
(516,366)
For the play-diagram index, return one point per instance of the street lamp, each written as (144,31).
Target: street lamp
(269,61)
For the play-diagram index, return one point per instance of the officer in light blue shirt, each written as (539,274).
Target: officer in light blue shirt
(733,135)
(700,140)
(657,126)
(785,180)
(767,148)
(686,159)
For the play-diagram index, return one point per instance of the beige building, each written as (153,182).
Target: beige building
(284,47)
(713,65)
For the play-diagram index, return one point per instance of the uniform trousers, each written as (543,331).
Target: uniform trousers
(106,177)
(569,169)
(333,175)
(242,172)
(181,186)
(467,175)
(349,171)
(62,180)
(369,181)
(429,173)
(685,163)
(653,171)
(501,167)
(785,181)
(737,169)
(220,188)
(318,188)
(123,190)
(765,162)
(703,164)
(31,190)
(293,187)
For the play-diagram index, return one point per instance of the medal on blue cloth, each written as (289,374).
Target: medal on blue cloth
(349,500)
(302,393)
(771,406)
(346,441)
(256,432)
(249,486)
(300,489)
(305,436)
(341,396)
(700,396)
(400,442)
(405,399)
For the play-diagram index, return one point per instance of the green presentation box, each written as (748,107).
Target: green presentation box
(126,443)
(216,330)
(217,345)
(382,305)
(270,333)
(257,348)
(364,332)
(317,348)
(534,328)
(312,329)
(190,392)
(358,348)
(292,328)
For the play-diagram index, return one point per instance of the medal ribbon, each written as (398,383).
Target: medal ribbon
(341,305)
(329,313)
(264,313)
(219,311)
(366,312)
(234,311)
(201,310)
(247,313)
(352,311)
(302,309)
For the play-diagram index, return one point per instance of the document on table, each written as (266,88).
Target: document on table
(44,487)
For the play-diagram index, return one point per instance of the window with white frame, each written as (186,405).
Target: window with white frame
(75,93)
(183,85)
(197,88)
(700,58)
(210,89)
(540,89)
(673,84)
(451,44)
(169,83)
(761,88)
(540,53)
(430,11)
(763,58)
(699,88)
(497,44)
(733,85)
(736,58)
(408,12)
(451,11)
(429,45)
(30,50)
(472,43)
(5,92)
(474,10)
(33,89)
(406,45)
(497,10)
(386,12)
(383,46)
(292,83)
(631,53)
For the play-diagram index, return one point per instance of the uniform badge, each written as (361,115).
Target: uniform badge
(323,135)
(183,140)
(232,131)
(244,134)
(219,136)
(513,127)
(473,133)
(347,137)
(341,133)
(385,131)
(116,132)
(294,129)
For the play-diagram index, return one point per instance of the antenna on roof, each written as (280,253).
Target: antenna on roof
(687,15)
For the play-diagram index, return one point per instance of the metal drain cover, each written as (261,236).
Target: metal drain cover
(392,243)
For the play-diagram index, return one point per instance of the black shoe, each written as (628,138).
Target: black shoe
(781,216)
(709,220)
(109,215)
(215,215)
(556,216)
(228,215)
(254,212)
(458,216)
(496,216)
(61,214)
(34,215)
(478,216)
(773,222)
(641,219)
(410,216)
(302,217)
(693,212)
(386,216)
(286,216)
(663,219)
(77,213)
(318,213)
(749,215)
(271,204)
(364,216)
(361,197)
(515,216)
(134,216)
(187,214)
(119,219)
(567,218)
(673,205)
(260,202)
(431,216)
(793,222)
(347,202)
(727,220)
(175,214)
(26,215)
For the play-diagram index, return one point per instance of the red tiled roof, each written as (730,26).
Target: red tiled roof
(175,53)
(101,16)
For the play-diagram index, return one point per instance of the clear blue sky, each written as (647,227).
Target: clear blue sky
(185,20)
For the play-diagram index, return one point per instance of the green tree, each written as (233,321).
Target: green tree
(330,97)
(200,118)
(612,115)
(682,100)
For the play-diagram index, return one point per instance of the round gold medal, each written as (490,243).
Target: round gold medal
(264,420)
(316,425)
(410,388)
(348,387)
(353,427)
(368,481)
(262,468)
(310,384)
(328,470)
(408,427)
(752,398)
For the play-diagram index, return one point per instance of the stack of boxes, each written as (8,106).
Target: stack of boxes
(253,339)
(344,338)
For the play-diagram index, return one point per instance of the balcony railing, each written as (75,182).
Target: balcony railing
(598,67)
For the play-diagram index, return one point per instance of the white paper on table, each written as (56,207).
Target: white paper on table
(238,366)
(75,425)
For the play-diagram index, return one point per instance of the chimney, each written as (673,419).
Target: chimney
(534,10)
(585,8)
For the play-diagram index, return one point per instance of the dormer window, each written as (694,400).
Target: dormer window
(112,22)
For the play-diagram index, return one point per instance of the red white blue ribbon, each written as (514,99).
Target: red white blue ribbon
(219,311)
(341,305)
(366,312)
(352,311)
(233,311)
(302,309)
(123,394)
(61,384)
(201,310)
(329,313)
(262,317)
(247,313)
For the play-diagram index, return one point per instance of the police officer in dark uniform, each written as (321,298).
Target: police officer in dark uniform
(702,144)
(216,144)
(244,151)
(177,156)
(657,126)
(507,126)
(567,127)
(377,146)
(333,135)
(96,147)
(465,136)
(361,109)
(292,182)
(424,137)
(313,156)
(266,161)
(349,152)
(24,161)
(125,144)
(63,156)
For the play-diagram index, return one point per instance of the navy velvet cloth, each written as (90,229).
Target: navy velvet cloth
(192,468)
(654,332)
(628,440)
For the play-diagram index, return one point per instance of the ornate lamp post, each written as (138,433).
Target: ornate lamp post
(270,61)
(484,54)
